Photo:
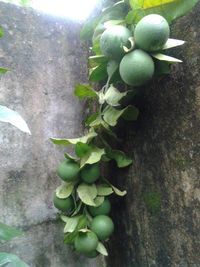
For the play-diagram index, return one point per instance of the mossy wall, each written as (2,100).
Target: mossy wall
(158,222)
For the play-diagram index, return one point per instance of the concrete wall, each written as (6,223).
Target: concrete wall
(157,223)
(45,59)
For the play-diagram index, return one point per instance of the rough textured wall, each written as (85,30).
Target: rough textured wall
(45,59)
(158,223)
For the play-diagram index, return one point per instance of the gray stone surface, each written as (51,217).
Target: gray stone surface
(46,58)
(158,222)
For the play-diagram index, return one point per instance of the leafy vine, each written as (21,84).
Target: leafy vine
(129,43)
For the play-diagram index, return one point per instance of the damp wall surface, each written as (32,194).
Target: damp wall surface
(46,59)
(158,222)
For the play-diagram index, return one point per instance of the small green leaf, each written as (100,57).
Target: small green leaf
(11,260)
(70,157)
(104,190)
(96,47)
(172,43)
(78,208)
(12,117)
(81,149)
(65,190)
(84,230)
(115,189)
(3,70)
(93,156)
(98,73)
(88,29)
(96,60)
(131,113)
(112,68)
(120,157)
(82,223)
(7,232)
(91,118)
(114,22)
(101,249)
(113,96)
(73,141)
(163,57)
(84,90)
(1,31)
(71,224)
(111,115)
(118,192)
(87,193)
(99,200)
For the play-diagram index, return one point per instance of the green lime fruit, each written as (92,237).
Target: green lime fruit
(68,170)
(112,41)
(102,226)
(65,204)
(136,68)
(90,173)
(86,242)
(151,33)
(103,209)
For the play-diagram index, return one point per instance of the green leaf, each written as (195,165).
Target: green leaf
(98,73)
(84,90)
(7,232)
(104,190)
(91,118)
(99,200)
(170,9)
(113,96)
(77,209)
(65,190)
(96,60)
(1,31)
(115,189)
(68,156)
(11,260)
(112,68)
(3,70)
(111,115)
(96,47)
(131,113)
(101,249)
(82,223)
(113,22)
(73,141)
(81,149)
(163,57)
(172,43)
(120,157)
(12,117)
(118,192)
(88,29)
(87,193)
(93,156)
(71,224)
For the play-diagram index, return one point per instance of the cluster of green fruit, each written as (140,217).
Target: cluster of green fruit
(97,226)
(136,67)
(83,196)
